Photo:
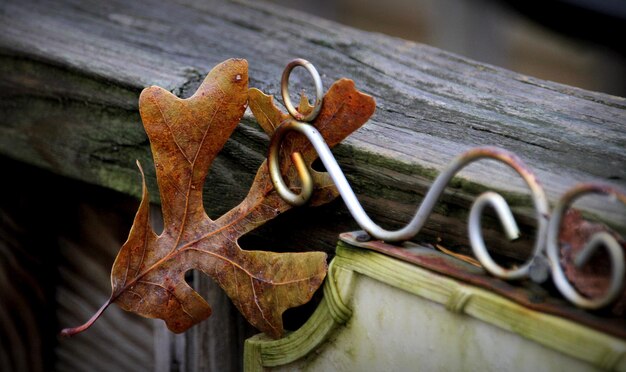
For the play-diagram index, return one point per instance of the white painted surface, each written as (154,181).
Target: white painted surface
(392,330)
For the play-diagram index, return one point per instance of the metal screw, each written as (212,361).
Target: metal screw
(539,269)
(362,236)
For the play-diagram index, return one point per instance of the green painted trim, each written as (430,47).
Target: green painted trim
(575,340)
(261,351)
(340,312)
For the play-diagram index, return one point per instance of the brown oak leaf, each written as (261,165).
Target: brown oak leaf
(148,274)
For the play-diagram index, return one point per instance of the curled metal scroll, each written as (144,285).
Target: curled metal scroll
(598,240)
(319,90)
(428,204)
(492,199)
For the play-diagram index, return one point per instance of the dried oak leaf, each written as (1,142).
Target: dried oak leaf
(148,274)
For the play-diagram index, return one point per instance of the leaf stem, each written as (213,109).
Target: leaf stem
(69,332)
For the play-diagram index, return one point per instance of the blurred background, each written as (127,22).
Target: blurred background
(574,42)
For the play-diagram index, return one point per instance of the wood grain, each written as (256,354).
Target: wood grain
(72,72)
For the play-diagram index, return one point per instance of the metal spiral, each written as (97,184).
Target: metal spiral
(496,201)
(598,240)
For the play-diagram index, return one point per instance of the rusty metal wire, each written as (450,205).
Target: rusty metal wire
(420,217)
(598,240)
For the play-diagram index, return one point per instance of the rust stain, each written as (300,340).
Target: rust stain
(593,279)
(452,267)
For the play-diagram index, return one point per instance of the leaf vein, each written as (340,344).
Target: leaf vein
(170,294)
(251,275)
(258,305)
(156,103)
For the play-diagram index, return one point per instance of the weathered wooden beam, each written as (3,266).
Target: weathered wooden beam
(71,72)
